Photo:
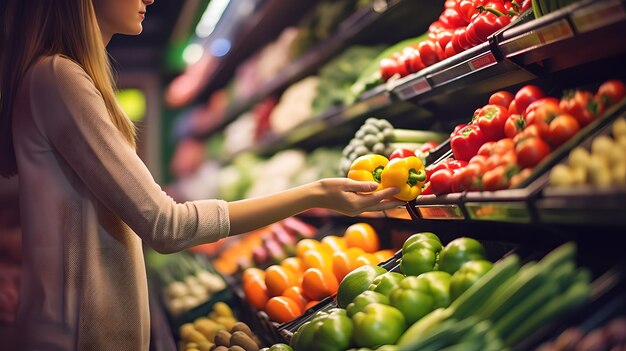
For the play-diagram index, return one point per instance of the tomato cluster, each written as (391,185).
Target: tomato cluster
(463,24)
(509,136)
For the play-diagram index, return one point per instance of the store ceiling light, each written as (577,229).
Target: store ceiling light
(193,53)
(220,47)
(211,17)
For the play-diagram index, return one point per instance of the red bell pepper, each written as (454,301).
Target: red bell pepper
(448,163)
(401,153)
(491,120)
(466,142)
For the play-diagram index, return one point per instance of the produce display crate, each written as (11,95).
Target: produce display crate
(519,204)
(585,204)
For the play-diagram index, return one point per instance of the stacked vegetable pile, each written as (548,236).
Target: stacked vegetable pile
(187,283)
(260,248)
(462,25)
(285,290)
(378,136)
(474,305)
(508,137)
(376,305)
(220,330)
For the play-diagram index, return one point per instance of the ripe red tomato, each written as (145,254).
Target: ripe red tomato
(503,146)
(513,108)
(583,106)
(518,178)
(441,181)
(486,149)
(562,128)
(526,95)
(479,160)
(530,151)
(496,179)
(388,67)
(465,178)
(502,98)
(428,52)
(514,125)
(611,92)
(544,109)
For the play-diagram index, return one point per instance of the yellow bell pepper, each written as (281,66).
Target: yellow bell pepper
(406,174)
(368,168)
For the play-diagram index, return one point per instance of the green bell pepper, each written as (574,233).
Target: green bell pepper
(356,282)
(386,282)
(278,347)
(364,299)
(326,331)
(459,251)
(417,296)
(377,325)
(465,277)
(420,253)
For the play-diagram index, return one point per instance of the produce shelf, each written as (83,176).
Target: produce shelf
(475,71)
(554,41)
(333,124)
(365,25)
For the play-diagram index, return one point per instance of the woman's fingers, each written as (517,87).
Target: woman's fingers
(360,187)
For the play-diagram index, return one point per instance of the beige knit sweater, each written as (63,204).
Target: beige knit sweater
(84,283)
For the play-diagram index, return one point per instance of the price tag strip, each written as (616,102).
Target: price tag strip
(534,39)
(598,15)
(463,69)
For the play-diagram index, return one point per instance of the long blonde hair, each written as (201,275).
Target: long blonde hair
(35,28)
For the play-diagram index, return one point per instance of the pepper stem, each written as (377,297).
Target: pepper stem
(482,8)
(416,176)
(378,171)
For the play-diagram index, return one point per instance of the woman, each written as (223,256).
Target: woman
(86,198)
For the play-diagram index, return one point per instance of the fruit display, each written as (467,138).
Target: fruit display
(263,247)
(462,25)
(602,165)
(539,96)
(220,330)
(187,282)
(287,288)
(507,138)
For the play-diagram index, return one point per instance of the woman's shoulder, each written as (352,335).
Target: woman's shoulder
(58,71)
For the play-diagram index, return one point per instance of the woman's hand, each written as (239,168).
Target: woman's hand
(352,197)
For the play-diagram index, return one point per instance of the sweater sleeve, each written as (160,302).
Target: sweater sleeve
(71,114)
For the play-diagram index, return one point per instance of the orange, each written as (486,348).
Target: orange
(282,309)
(384,255)
(256,293)
(305,245)
(345,261)
(366,259)
(252,273)
(319,283)
(278,278)
(293,263)
(362,235)
(334,243)
(310,304)
(317,259)
(295,293)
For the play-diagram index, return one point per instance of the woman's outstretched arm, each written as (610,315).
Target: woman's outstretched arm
(338,194)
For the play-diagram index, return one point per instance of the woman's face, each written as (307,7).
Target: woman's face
(121,16)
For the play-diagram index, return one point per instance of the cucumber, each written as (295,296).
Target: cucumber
(558,256)
(475,298)
(423,326)
(530,277)
(573,297)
